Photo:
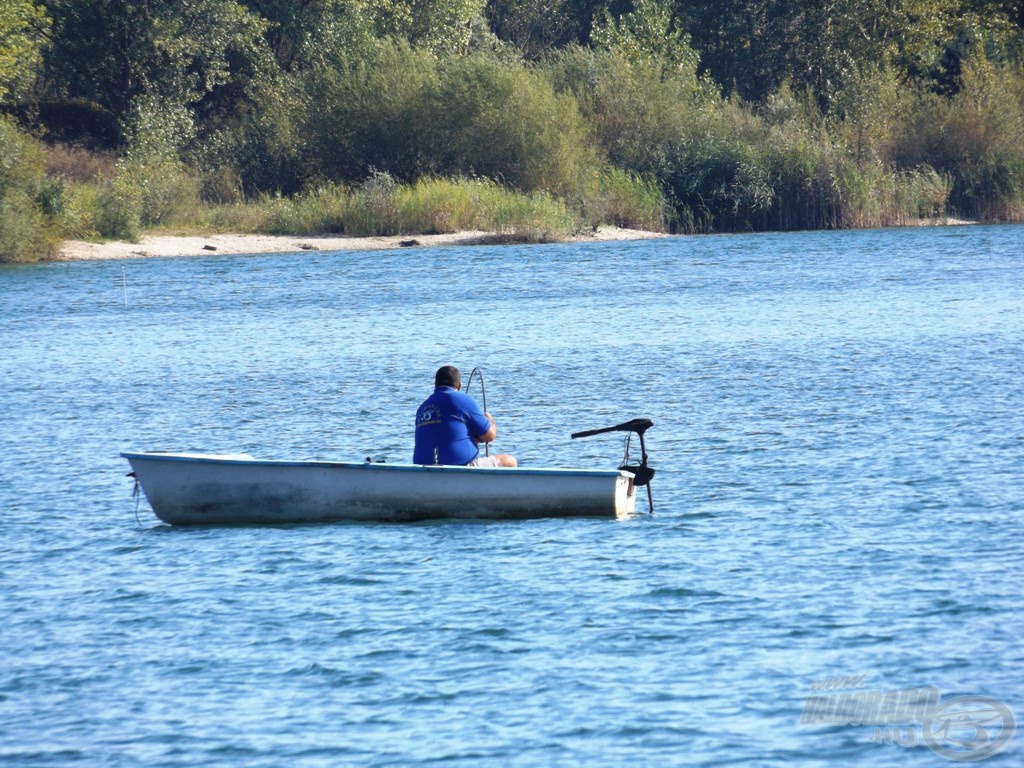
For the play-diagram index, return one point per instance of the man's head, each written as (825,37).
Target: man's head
(448,376)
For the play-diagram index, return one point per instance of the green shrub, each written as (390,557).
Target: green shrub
(170,195)
(155,191)
(413,115)
(975,138)
(869,111)
(623,199)
(26,233)
(438,206)
(69,208)
(76,217)
(371,113)
(509,124)
(639,114)
(537,217)
(261,150)
(382,206)
(118,210)
(22,161)
(292,215)
(985,126)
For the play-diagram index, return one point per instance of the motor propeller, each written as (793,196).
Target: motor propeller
(642,473)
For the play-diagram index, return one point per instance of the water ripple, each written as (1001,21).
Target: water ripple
(839,441)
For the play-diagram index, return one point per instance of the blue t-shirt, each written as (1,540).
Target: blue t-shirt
(448,420)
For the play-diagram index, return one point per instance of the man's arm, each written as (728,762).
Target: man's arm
(491,433)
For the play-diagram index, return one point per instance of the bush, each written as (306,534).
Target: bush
(509,124)
(22,161)
(118,212)
(624,199)
(639,114)
(382,206)
(537,217)
(262,150)
(869,111)
(26,233)
(664,125)
(170,194)
(984,124)
(147,193)
(76,215)
(78,164)
(975,138)
(438,206)
(369,114)
(412,115)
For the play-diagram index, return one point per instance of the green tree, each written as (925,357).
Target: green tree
(539,27)
(752,46)
(23,27)
(648,34)
(304,33)
(534,27)
(993,27)
(442,26)
(113,52)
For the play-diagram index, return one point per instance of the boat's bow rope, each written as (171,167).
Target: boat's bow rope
(137,495)
(483,398)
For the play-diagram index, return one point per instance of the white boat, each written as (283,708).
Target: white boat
(198,489)
(209,489)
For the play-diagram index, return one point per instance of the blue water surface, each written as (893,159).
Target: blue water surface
(839,439)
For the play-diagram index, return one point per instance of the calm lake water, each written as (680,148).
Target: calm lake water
(839,438)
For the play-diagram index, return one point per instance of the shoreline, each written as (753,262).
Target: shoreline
(153,246)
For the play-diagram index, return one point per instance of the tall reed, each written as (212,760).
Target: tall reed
(381,206)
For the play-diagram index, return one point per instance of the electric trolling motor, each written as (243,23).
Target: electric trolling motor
(642,474)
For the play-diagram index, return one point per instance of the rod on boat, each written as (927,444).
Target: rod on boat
(483,393)
(642,473)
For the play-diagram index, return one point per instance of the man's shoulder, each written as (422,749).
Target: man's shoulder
(463,399)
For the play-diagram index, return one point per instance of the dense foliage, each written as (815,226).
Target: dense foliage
(687,114)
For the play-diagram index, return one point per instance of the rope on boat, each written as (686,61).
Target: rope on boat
(483,397)
(137,495)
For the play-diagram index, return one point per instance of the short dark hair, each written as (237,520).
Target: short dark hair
(448,376)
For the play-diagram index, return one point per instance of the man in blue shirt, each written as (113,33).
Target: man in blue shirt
(450,426)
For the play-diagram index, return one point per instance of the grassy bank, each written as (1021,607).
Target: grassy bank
(408,143)
(67,193)
(381,206)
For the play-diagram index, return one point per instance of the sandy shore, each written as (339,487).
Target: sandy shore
(208,245)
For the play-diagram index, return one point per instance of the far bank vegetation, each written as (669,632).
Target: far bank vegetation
(536,120)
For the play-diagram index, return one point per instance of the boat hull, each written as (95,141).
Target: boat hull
(200,489)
